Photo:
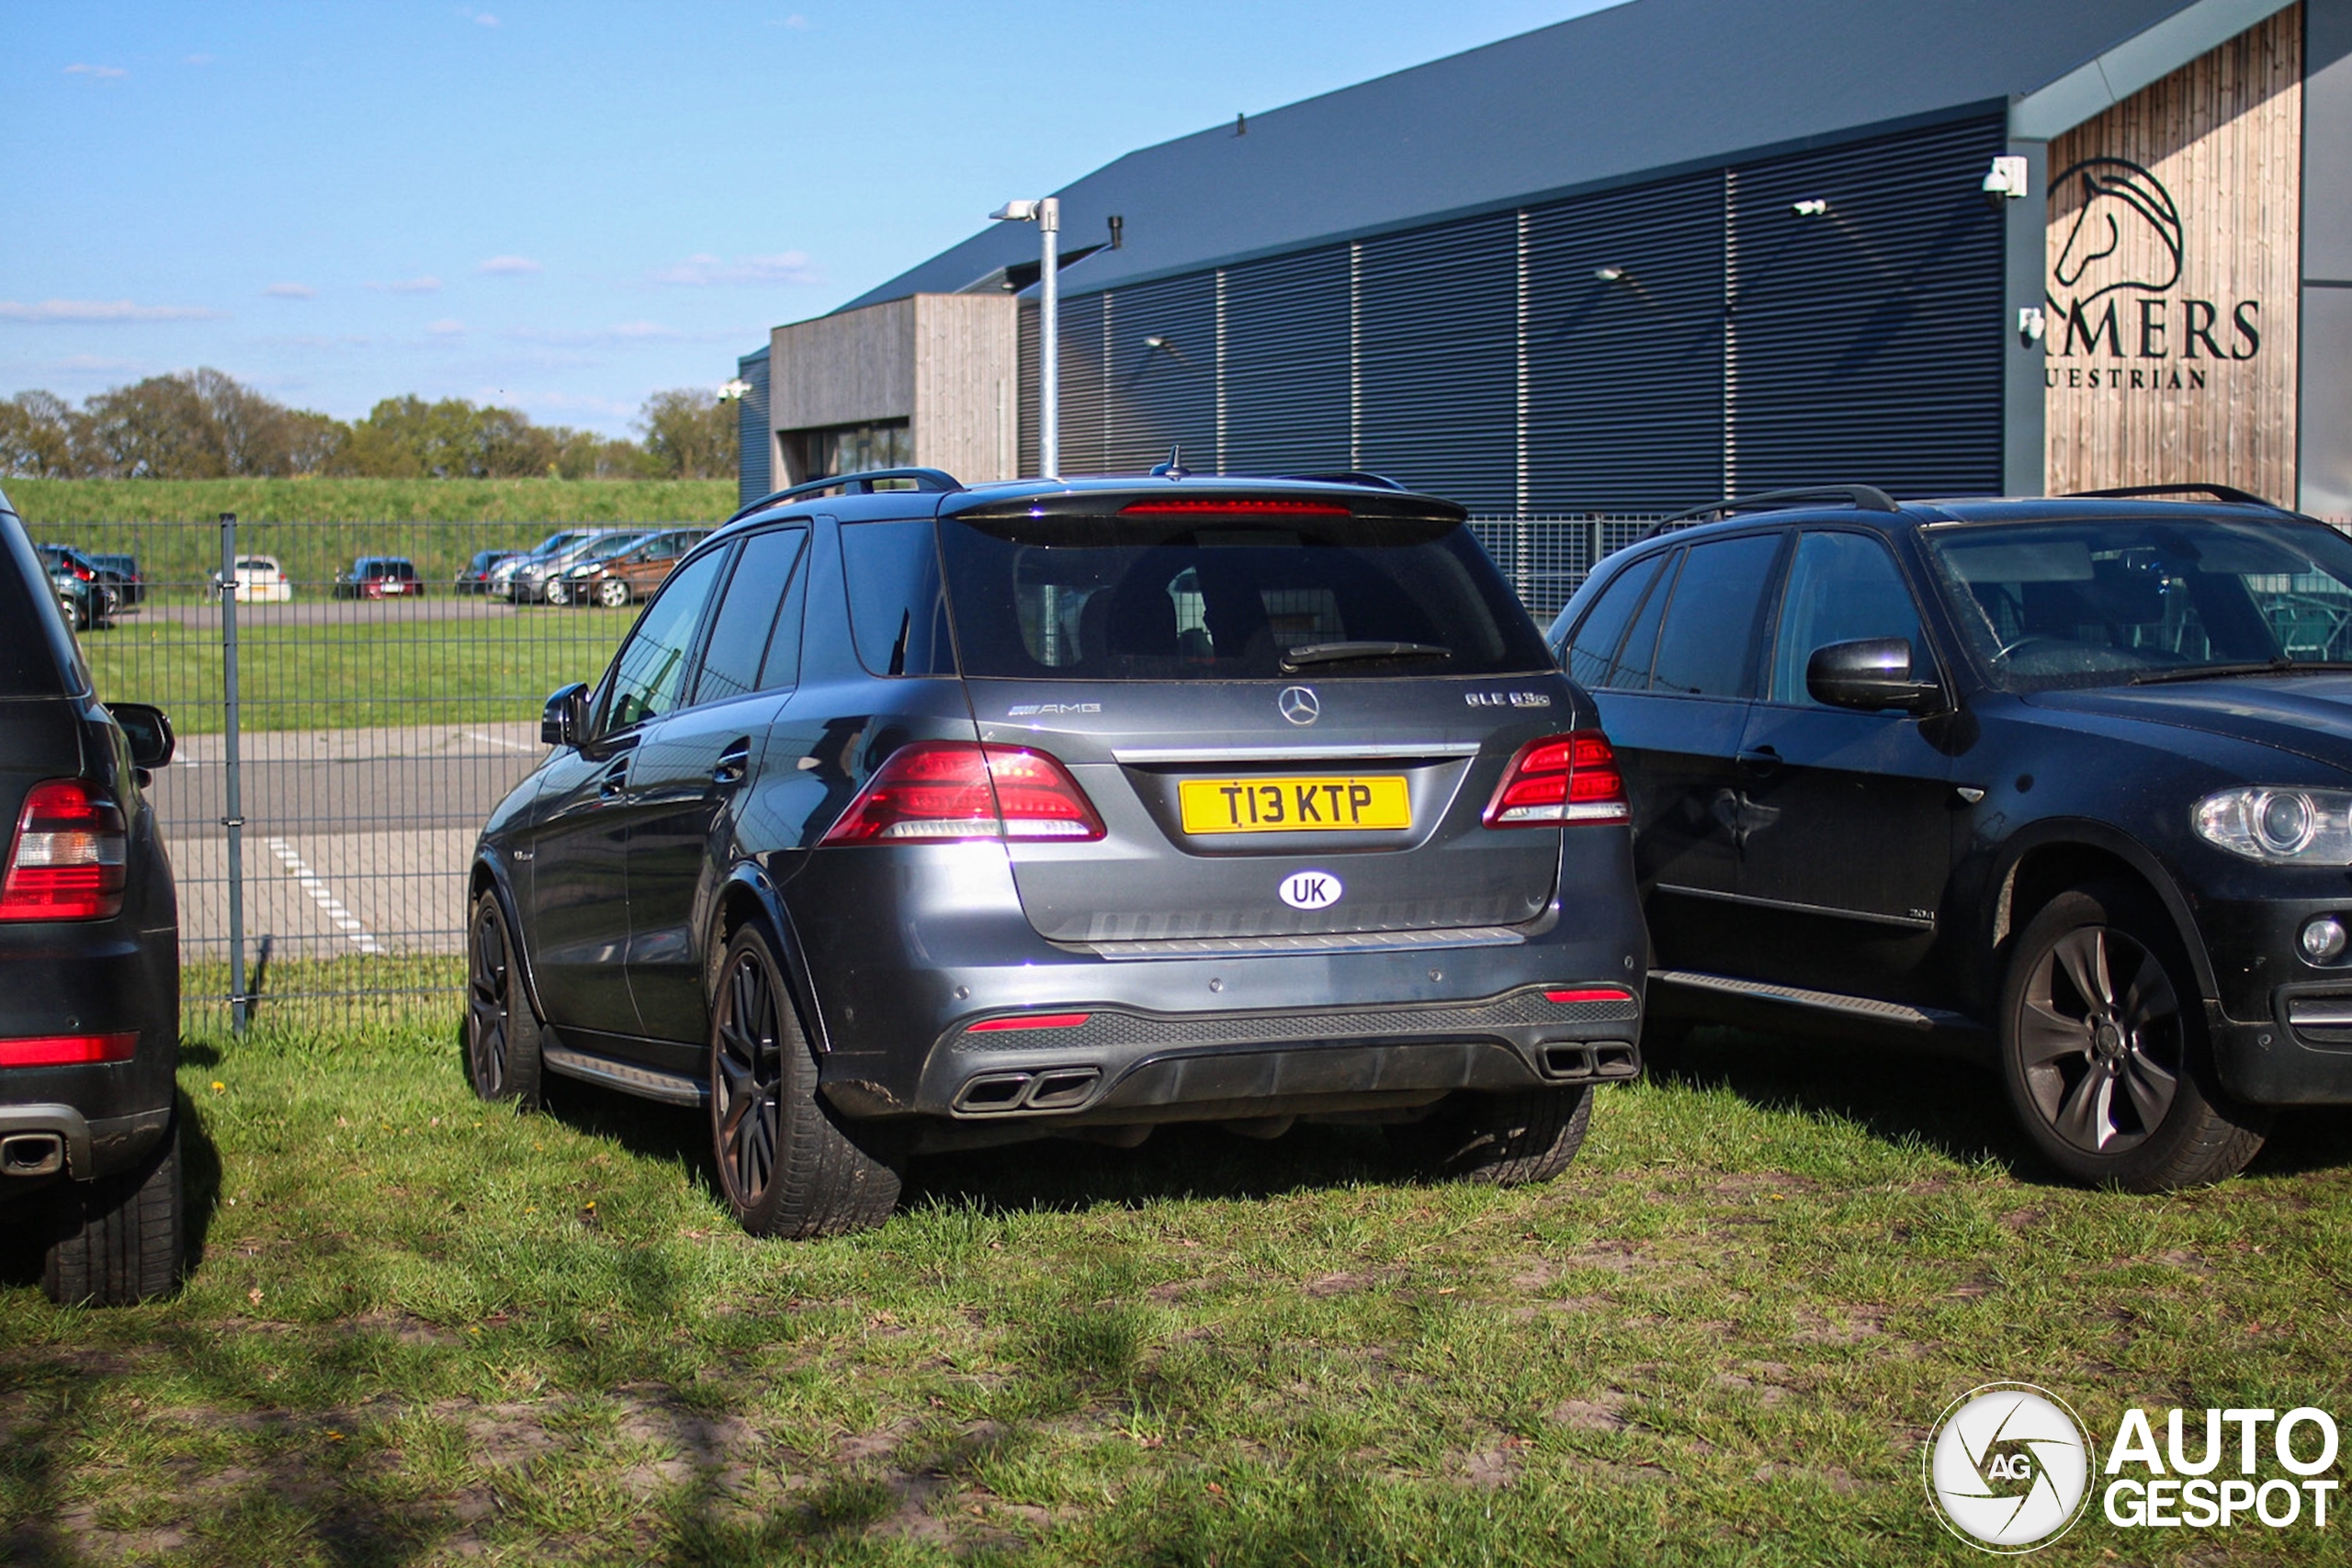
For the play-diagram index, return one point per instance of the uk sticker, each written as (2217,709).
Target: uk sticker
(1311,890)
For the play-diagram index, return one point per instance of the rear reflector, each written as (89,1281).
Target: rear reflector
(1236,508)
(936,790)
(1561,778)
(1589,994)
(66,1050)
(1030,1021)
(66,861)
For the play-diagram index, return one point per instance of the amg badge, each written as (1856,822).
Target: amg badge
(1311,890)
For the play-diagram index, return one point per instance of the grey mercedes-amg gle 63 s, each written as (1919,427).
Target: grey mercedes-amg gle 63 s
(912,817)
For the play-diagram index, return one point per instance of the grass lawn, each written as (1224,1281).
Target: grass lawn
(55,503)
(377,665)
(424,1330)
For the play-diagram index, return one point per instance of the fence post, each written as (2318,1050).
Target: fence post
(234,820)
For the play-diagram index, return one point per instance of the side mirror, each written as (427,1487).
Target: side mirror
(564,722)
(1870,676)
(147,730)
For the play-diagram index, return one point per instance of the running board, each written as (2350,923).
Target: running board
(648,1083)
(1900,1013)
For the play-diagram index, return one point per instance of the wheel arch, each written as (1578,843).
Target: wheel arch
(749,894)
(486,875)
(2052,857)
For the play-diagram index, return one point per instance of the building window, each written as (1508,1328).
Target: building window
(846,449)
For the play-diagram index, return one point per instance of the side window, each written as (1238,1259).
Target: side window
(649,677)
(897,612)
(1630,670)
(782,667)
(739,634)
(1841,587)
(1591,653)
(1704,649)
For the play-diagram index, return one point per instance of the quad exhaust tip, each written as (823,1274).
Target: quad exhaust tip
(1583,1061)
(1046,1088)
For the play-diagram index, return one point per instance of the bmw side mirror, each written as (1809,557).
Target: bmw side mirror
(564,722)
(1870,676)
(147,730)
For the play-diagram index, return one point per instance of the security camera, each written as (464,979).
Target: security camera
(2005,181)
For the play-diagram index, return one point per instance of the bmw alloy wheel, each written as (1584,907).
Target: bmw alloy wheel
(2099,1040)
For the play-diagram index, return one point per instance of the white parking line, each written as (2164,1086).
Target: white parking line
(323,895)
(494,740)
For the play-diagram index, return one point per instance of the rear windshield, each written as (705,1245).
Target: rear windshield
(1234,599)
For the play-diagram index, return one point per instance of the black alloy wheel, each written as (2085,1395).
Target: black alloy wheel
(2106,1066)
(501,1033)
(787,1165)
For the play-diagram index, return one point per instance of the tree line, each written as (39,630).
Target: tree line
(199,425)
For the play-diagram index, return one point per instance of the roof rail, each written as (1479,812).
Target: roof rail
(1863,498)
(931,479)
(2226,493)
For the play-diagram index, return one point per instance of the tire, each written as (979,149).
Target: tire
(121,1239)
(1506,1139)
(502,1031)
(788,1166)
(2104,1052)
(554,591)
(613,594)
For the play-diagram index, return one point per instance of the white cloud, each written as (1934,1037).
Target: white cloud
(92,310)
(702,270)
(626,331)
(200,60)
(479,18)
(510,266)
(290,291)
(102,72)
(425,283)
(91,365)
(448,326)
(796,20)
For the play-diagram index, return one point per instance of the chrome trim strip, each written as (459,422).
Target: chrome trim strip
(670,1088)
(1904,922)
(1312,754)
(1826,1002)
(2320,1012)
(1326,941)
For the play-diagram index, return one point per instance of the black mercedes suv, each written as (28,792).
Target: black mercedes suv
(914,817)
(89,950)
(2068,782)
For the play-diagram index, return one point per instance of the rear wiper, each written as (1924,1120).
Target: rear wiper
(2263,667)
(1298,658)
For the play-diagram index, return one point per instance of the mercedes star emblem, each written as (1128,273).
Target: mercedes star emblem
(1298,704)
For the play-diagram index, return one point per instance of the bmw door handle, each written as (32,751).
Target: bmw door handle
(733,763)
(1759,761)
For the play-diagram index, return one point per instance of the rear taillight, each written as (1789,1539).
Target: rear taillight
(1561,778)
(84,574)
(66,1050)
(66,862)
(958,789)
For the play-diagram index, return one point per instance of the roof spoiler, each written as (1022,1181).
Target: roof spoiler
(1862,498)
(866,483)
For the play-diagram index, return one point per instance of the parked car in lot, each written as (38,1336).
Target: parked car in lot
(379,577)
(940,817)
(89,945)
(130,588)
(527,584)
(2070,778)
(260,579)
(474,577)
(93,568)
(78,586)
(500,582)
(617,577)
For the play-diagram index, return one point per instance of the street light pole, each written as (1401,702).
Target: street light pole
(1047,215)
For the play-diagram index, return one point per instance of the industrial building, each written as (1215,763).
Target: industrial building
(1670,251)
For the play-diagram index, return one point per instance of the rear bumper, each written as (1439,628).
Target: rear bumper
(905,949)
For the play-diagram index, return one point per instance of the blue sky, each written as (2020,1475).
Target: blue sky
(565,207)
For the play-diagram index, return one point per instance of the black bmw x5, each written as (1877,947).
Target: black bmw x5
(2068,782)
(913,817)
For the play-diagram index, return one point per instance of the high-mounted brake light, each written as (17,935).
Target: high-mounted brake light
(66,1050)
(66,862)
(937,790)
(1560,779)
(1259,507)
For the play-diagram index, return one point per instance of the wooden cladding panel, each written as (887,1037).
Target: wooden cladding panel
(2212,242)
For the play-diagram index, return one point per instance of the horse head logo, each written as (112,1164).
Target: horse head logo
(2127,235)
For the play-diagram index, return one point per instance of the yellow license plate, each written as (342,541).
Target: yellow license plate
(1294,805)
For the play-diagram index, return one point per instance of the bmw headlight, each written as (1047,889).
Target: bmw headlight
(2308,827)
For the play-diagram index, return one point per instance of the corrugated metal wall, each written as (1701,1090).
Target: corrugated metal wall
(754,449)
(1631,350)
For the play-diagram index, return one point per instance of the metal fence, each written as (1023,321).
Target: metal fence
(338,751)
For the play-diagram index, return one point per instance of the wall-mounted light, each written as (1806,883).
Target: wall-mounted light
(2031,324)
(1162,345)
(1813,207)
(1609,275)
(1118,232)
(2005,180)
